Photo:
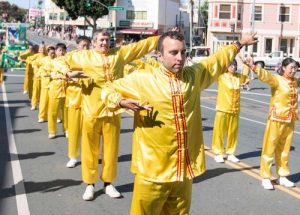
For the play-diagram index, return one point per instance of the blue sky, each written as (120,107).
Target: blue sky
(24,3)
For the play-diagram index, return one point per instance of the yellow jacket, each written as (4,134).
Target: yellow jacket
(57,86)
(168,141)
(102,68)
(45,68)
(284,98)
(36,62)
(228,98)
(25,54)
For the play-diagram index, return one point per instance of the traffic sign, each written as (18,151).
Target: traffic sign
(118,8)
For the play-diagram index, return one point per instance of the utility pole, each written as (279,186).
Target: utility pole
(252,23)
(191,22)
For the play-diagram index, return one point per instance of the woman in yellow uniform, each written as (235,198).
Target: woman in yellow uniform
(23,56)
(283,113)
(73,105)
(36,63)
(57,93)
(227,114)
(45,71)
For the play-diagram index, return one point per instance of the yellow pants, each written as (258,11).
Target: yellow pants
(151,198)
(30,82)
(74,132)
(277,140)
(92,130)
(36,92)
(26,74)
(43,106)
(1,75)
(226,124)
(55,104)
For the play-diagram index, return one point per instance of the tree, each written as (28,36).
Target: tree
(85,8)
(11,12)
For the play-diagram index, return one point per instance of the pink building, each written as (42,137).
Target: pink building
(276,22)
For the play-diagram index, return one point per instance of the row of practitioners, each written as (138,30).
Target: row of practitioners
(166,99)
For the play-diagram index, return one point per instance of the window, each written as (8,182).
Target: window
(239,15)
(284,14)
(291,46)
(268,46)
(258,13)
(283,45)
(130,14)
(224,11)
(61,16)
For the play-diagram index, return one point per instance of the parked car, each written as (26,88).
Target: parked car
(272,60)
(198,53)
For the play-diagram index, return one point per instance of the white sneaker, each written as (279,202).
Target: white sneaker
(33,108)
(267,184)
(41,120)
(25,92)
(51,136)
(111,191)
(219,159)
(233,159)
(89,193)
(71,163)
(285,182)
(58,121)
(66,134)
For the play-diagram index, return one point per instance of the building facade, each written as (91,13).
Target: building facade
(276,22)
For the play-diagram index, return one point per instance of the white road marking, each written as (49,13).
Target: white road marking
(13,75)
(244,118)
(21,198)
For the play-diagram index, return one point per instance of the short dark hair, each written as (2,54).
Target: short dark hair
(172,34)
(50,48)
(83,38)
(61,45)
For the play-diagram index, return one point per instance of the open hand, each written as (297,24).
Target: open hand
(133,105)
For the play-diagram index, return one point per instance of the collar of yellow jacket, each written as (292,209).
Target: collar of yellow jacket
(170,73)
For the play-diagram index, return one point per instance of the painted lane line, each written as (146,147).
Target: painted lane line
(21,198)
(245,118)
(13,75)
(249,93)
(254,172)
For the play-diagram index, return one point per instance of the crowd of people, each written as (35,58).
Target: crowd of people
(88,88)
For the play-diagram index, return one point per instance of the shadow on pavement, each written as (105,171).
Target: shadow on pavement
(295,177)
(124,158)
(31,155)
(212,173)
(43,187)
(126,130)
(26,130)
(207,128)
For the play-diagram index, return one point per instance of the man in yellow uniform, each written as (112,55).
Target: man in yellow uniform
(23,56)
(44,72)
(101,65)
(57,93)
(73,104)
(168,149)
(227,113)
(36,89)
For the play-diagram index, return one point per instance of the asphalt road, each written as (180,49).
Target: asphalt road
(34,179)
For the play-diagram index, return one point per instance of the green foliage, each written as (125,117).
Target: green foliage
(13,11)
(204,11)
(85,8)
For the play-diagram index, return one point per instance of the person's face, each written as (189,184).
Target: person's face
(60,52)
(290,70)
(174,54)
(30,48)
(42,49)
(83,44)
(102,43)
(51,53)
(232,69)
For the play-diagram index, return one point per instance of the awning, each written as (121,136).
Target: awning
(138,31)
